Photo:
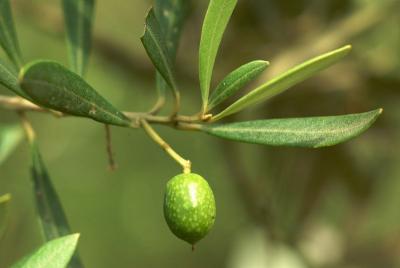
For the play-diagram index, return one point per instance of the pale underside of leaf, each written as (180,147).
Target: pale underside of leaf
(235,81)
(302,132)
(54,254)
(285,81)
(214,25)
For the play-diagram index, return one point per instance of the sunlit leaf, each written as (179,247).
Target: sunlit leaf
(171,15)
(154,42)
(54,254)
(78,17)
(50,211)
(10,136)
(235,81)
(4,200)
(286,80)
(53,86)
(8,36)
(303,132)
(215,22)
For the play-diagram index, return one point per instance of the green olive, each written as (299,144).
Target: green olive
(189,207)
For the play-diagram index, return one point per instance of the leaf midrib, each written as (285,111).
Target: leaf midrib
(64,89)
(276,130)
(208,70)
(163,57)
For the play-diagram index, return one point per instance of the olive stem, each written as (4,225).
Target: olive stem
(186,164)
(182,122)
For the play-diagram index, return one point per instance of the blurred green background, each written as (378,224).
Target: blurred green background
(277,207)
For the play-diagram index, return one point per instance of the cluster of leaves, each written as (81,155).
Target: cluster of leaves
(54,87)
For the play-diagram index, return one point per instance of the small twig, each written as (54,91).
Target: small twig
(30,133)
(111,162)
(186,164)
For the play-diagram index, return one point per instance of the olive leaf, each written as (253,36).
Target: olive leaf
(235,81)
(78,18)
(54,254)
(53,86)
(171,15)
(303,132)
(215,22)
(286,80)
(8,36)
(4,200)
(9,79)
(10,136)
(50,211)
(155,45)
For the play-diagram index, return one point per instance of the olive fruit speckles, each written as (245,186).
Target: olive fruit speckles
(189,207)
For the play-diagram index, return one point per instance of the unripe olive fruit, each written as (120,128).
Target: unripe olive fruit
(189,207)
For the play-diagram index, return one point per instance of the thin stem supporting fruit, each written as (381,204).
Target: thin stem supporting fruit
(186,164)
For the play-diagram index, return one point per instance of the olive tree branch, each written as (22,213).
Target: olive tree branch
(181,122)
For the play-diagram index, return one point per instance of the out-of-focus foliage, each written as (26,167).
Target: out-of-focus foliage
(333,207)
(54,254)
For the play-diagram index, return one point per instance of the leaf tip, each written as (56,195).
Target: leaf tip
(75,237)
(346,49)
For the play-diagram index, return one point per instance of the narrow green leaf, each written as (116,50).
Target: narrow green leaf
(8,36)
(235,81)
(154,42)
(78,18)
(10,136)
(54,254)
(51,214)
(4,200)
(53,86)
(303,132)
(9,79)
(215,22)
(172,15)
(286,80)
